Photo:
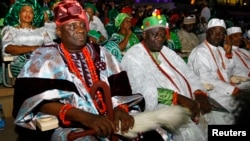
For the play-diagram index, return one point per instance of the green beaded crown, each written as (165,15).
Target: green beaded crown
(156,20)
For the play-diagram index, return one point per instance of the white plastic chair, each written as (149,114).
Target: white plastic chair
(6,73)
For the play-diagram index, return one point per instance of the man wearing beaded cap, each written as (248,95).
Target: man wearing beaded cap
(158,73)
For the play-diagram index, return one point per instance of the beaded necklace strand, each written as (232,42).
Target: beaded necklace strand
(72,67)
(165,73)
(158,66)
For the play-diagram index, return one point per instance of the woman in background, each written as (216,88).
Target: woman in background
(124,38)
(95,22)
(26,27)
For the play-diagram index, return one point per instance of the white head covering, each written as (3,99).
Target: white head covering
(189,20)
(216,22)
(248,34)
(233,30)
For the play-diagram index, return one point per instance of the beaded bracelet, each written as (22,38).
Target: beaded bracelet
(229,56)
(139,137)
(199,92)
(124,107)
(63,112)
(175,101)
(235,91)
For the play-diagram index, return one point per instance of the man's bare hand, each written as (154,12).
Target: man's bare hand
(227,45)
(191,104)
(103,126)
(125,120)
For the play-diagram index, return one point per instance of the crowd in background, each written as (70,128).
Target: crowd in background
(105,9)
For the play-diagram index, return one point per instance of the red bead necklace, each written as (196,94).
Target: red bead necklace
(101,107)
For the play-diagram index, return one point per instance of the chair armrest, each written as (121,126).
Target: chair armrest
(8,58)
(47,123)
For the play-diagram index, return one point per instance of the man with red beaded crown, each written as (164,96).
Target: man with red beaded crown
(57,81)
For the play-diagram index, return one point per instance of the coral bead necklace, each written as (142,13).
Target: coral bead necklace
(98,101)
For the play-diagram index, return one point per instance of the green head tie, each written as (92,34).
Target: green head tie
(120,18)
(12,17)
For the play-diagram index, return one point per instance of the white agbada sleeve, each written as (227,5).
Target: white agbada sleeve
(240,69)
(184,69)
(140,80)
(202,63)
